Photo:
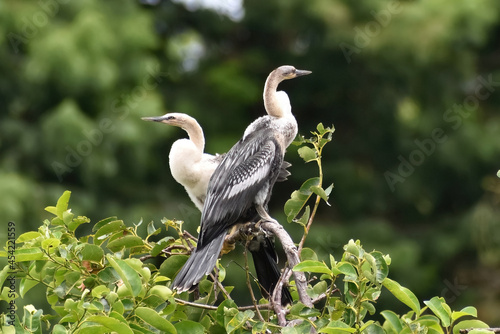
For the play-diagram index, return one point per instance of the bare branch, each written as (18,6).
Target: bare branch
(309,223)
(213,307)
(292,256)
(493,329)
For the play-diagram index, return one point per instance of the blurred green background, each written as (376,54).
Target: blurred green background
(412,88)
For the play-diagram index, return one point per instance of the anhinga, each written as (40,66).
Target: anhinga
(241,185)
(189,165)
(192,168)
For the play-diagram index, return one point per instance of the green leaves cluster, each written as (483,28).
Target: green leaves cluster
(94,283)
(435,318)
(101,282)
(310,150)
(363,274)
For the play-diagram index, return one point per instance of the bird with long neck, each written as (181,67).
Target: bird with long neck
(192,168)
(189,165)
(241,185)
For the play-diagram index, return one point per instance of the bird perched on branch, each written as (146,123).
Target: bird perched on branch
(240,188)
(188,163)
(192,168)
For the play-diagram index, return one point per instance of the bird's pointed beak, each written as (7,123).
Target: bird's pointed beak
(299,73)
(154,119)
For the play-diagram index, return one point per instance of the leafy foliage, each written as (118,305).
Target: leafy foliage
(103,282)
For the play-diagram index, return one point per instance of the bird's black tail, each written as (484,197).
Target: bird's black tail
(266,266)
(201,262)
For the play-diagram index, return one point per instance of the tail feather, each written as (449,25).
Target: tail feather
(266,266)
(201,262)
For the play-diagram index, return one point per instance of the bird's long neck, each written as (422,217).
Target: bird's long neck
(276,103)
(195,133)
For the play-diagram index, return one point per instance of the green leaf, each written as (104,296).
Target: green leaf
(91,329)
(100,291)
(403,294)
(25,285)
(160,245)
(111,323)
(308,254)
(172,265)
(62,204)
(439,307)
(92,253)
(152,230)
(128,275)
(28,254)
(369,307)
(189,327)
(107,230)
(313,266)
(466,311)
(51,209)
(67,217)
(103,222)
(299,198)
(59,329)
(320,192)
(307,153)
(223,311)
(128,241)
(467,324)
(239,320)
(152,318)
(73,225)
(4,273)
(393,320)
(28,236)
(50,243)
(329,190)
(337,327)
(372,328)
(380,267)
(305,217)
(353,248)
(320,128)
(347,269)
(107,275)
(161,291)
(32,319)
(296,309)
(320,288)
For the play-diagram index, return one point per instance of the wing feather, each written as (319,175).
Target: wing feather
(248,168)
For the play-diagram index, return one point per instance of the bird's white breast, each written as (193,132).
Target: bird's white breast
(192,169)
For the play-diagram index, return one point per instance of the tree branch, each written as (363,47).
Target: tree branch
(293,258)
(214,308)
(493,329)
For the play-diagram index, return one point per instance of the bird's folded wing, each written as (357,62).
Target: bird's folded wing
(245,170)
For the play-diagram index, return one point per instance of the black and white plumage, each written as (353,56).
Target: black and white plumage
(241,185)
(192,168)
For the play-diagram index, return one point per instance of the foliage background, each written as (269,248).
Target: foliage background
(77,77)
